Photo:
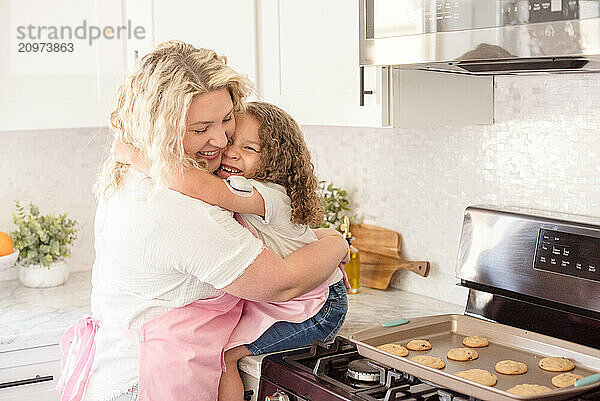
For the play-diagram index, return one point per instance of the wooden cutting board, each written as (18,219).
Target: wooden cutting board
(380,256)
(380,276)
(377,240)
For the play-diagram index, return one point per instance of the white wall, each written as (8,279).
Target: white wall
(543,152)
(55,169)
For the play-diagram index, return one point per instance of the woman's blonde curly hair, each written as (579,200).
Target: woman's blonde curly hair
(285,160)
(152,104)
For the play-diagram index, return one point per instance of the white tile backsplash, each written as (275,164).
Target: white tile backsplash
(542,153)
(55,169)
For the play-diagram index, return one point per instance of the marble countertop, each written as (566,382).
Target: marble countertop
(36,317)
(372,307)
(32,317)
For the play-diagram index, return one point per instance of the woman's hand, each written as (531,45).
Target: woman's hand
(330,232)
(346,258)
(122,152)
(129,154)
(326,232)
(343,270)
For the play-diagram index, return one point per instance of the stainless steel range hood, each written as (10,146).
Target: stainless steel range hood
(481,37)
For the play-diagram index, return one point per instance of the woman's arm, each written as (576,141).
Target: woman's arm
(326,232)
(300,272)
(195,183)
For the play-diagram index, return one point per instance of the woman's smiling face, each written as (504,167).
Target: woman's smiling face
(209,122)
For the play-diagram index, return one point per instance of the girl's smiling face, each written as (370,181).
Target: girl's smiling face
(242,155)
(209,122)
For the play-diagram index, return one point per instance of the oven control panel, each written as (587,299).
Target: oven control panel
(566,253)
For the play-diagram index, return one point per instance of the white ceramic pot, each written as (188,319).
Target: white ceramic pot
(39,276)
(8,261)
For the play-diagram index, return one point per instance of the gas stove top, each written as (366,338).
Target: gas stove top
(336,371)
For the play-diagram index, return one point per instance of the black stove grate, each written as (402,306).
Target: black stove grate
(319,373)
(333,369)
(327,365)
(406,391)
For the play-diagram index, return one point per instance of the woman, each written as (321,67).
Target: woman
(162,256)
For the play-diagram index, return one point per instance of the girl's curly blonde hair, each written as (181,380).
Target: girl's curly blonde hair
(152,105)
(285,160)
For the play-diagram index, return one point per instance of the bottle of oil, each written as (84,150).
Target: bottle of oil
(353,265)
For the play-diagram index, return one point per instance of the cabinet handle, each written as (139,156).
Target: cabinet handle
(363,92)
(37,379)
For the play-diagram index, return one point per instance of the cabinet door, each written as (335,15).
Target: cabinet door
(61,88)
(226,26)
(40,367)
(309,62)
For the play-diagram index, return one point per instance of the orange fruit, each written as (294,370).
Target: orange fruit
(6,244)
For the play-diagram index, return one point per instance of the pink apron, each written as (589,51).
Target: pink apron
(181,351)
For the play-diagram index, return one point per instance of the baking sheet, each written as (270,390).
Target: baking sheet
(447,331)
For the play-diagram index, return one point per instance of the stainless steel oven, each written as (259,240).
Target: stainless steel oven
(534,291)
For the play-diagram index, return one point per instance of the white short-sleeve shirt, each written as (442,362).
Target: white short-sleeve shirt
(276,229)
(154,254)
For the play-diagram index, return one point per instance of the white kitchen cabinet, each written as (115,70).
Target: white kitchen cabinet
(42,90)
(41,365)
(140,13)
(309,66)
(226,26)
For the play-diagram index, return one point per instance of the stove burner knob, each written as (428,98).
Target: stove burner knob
(278,396)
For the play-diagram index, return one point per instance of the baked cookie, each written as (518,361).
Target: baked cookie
(528,389)
(476,341)
(509,367)
(431,361)
(462,354)
(418,345)
(565,379)
(478,376)
(556,364)
(395,349)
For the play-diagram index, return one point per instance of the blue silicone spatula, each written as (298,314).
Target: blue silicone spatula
(396,322)
(587,380)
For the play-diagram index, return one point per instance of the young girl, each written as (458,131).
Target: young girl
(268,149)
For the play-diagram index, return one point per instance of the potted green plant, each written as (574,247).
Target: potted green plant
(43,243)
(335,204)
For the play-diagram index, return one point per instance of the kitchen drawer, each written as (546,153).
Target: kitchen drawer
(30,374)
